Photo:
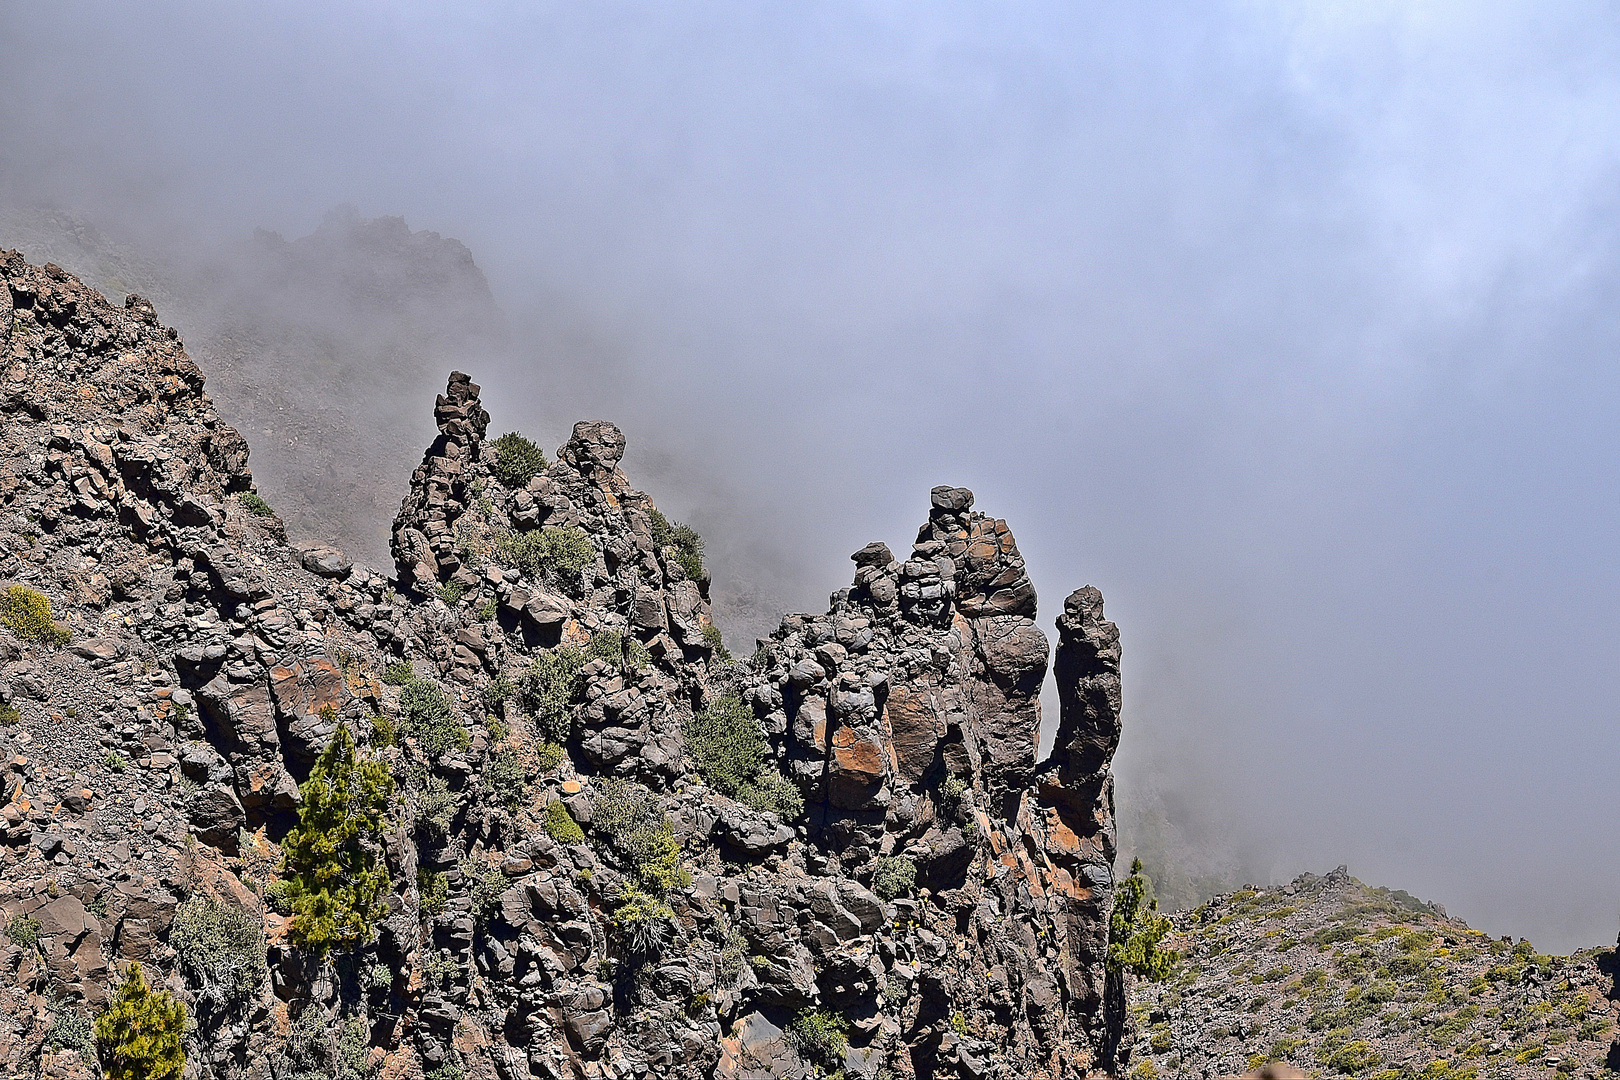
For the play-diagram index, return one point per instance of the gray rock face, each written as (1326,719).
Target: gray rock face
(941,896)
(909,715)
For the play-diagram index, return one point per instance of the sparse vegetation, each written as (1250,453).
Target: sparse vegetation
(548,689)
(728,747)
(629,816)
(560,824)
(27,614)
(451,592)
(254,504)
(278,896)
(892,876)
(485,883)
(71,1030)
(434,888)
(435,803)
(139,1035)
(10,715)
(430,721)
(820,1037)
(549,756)
(517,460)
(1136,930)
(557,555)
(643,925)
(732,956)
(687,543)
(336,880)
(716,643)
(23,930)
(221,950)
(399,674)
(506,778)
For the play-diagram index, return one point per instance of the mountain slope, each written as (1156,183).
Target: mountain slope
(575,838)
(1335,977)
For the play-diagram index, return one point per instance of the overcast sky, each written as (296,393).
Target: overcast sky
(1292,327)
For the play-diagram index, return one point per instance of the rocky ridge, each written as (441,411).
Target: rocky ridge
(900,889)
(1334,977)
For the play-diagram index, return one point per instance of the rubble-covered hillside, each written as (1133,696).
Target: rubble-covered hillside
(509,808)
(1336,978)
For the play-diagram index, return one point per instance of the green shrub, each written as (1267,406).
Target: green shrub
(435,890)
(643,925)
(716,643)
(1405,965)
(336,883)
(307,1051)
(278,896)
(382,732)
(506,778)
(517,460)
(498,690)
(560,824)
(550,755)
(820,1038)
(772,791)
(399,674)
(1136,928)
(728,747)
(641,834)
(435,802)
(1355,1058)
(139,1034)
(71,1030)
(379,976)
(557,555)
(429,720)
(28,615)
(687,543)
(451,592)
(732,956)
(353,1048)
(892,876)
(438,968)
(624,653)
(726,744)
(485,882)
(221,950)
(606,645)
(10,715)
(1331,935)
(23,930)
(548,689)
(254,504)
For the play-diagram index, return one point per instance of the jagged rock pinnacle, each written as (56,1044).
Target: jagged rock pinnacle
(611,849)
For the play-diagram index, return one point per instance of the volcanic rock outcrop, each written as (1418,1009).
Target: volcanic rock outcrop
(611,849)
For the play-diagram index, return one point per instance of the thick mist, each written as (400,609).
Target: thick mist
(1291,327)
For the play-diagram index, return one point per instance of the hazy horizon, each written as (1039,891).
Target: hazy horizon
(1290,327)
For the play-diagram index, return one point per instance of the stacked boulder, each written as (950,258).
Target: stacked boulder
(910,713)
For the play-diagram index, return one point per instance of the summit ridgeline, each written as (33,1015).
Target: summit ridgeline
(510,808)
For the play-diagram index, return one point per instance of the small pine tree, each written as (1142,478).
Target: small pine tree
(1136,929)
(139,1034)
(335,883)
